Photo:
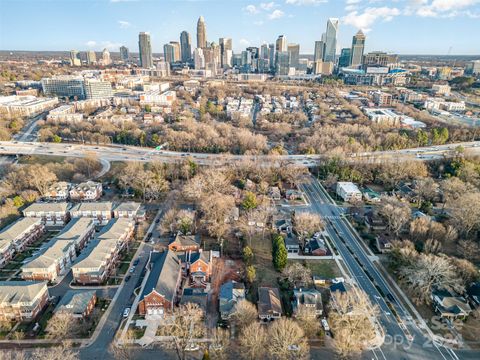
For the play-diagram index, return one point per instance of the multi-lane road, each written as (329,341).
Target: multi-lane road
(142,154)
(403,338)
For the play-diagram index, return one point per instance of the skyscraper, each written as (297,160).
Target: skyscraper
(171,52)
(124,53)
(358,47)
(271,54)
(294,54)
(319,47)
(331,40)
(345,56)
(201,33)
(281,44)
(185,46)
(106,59)
(225,44)
(145,50)
(91,57)
(282,63)
(75,58)
(199,59)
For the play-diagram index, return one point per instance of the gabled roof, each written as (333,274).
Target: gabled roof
(185,240)
(47,207)
(127,206)
(164,273)
(75,301)
(115,229)
(16,229)
(93,206)
(269,300)
(75,229)
(200,255)
(15,292)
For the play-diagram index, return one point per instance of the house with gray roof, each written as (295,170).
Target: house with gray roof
(163,284)
(230,294)
(450,306)
(22,300)
(307,301)
(129,210)
(100,212)
(78,303)
(269,303)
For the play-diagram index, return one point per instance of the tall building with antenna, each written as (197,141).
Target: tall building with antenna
(201,33)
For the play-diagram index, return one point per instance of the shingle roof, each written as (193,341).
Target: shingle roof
(200,255)
(230,293)
(47,207)
(269,300)
(75,229)
(92,206)
(14,292)
(115,229)
(127,206)
(165,269)
(74,301)
(185,240)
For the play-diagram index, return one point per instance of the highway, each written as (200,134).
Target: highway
(403,337)
(142,154)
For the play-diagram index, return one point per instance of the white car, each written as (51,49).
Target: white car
(325,325)
(126,312)
(192,347)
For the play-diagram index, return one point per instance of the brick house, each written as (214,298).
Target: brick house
(78,303)
(22,300)
(162,288)
(184,243)
(199,267)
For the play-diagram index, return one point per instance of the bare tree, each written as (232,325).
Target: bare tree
(465,212)
(469,249)
(425,190)
(309,324)
(352,322)
(123,349)
(63,352)
(40,178)
(220,345)
(244,314)
(427,272)
(395,212)
(185,326)
(286,340)
(297,274)
(306,224)
(253,341)
(63,325)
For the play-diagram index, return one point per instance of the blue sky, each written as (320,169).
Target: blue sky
(401,26)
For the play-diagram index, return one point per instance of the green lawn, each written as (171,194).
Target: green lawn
(262,250)
(123,268)
(324,268)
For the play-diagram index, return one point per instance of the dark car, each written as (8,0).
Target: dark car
(157,221)
(391,298)
(135,263)
(127,278)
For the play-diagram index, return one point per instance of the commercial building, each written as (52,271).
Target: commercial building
(65,86)
(158,98)
(226,52)
(106,59)
(358,47)
(441,89)
(15,105)
(51,214)
(17,236)
(185,46)
(145,50)
(98,89)
(282,63)
(22,300)
(201,33)
(381,98)
(199,59)
(331,40)
(348,191)
(172,52)
(324,68)
(91,57)
(124,53)
(75,58)
(344,59)
(294,55)
(378,58)
(161,291)
(319,49)
(473,67)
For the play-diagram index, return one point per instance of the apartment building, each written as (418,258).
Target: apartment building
(22,300)
(60,252)
(15,105)
(86,191)
(95,266)
(58,191)
(381,98)
(51,214)
(100,212)
(128,210)
(16,236)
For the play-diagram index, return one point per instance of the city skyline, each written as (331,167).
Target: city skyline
(388,25)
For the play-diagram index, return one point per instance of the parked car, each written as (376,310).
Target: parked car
(126,312)
(135,263)
(132,269)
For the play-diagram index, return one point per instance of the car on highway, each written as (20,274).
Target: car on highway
(126,312)
(391,298)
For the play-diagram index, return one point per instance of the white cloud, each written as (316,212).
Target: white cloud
(244,42)
(440,8)
(124,24)
(276,14)
(268,6)
(120,1)
(352,2)
(110,45)
(305,2)
(369,16)
(258,23)
(251,9)
(91,43)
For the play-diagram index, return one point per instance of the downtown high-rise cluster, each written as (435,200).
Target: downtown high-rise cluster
(280,58)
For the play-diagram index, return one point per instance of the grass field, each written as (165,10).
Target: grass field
(266,273)
(323,268)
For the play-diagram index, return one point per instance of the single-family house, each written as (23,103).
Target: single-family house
(374,222)
(292,195)
(22,300)
(161,290)
(185,243)
(307,301)
(230,294)
(199,267)
(77,303)
(291,243)
(316,247)
(450,306)
(269,303)
(383,244)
